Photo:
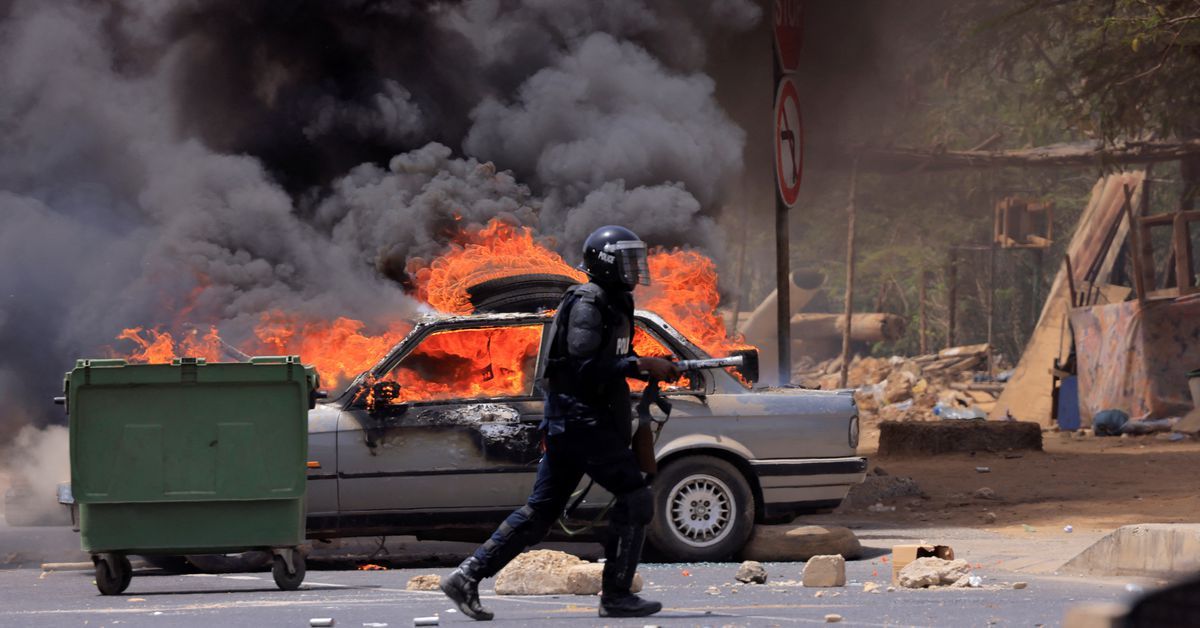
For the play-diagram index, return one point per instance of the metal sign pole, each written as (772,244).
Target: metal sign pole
(783,283)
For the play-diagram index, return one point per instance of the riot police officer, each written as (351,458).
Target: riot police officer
(587,428)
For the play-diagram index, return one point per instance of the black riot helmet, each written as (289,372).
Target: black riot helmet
(614,254)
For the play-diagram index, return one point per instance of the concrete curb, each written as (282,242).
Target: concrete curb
(1155,550)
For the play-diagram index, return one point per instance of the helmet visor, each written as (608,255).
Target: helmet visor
(632,265)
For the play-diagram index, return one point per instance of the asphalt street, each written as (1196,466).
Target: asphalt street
(694,595)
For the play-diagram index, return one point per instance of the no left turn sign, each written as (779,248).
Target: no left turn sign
(789,141)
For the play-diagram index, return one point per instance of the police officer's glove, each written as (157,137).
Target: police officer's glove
(658,368)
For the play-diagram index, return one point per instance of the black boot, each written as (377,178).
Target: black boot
(621,556)
(462,587)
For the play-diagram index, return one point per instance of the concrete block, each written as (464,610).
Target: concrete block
(825,571)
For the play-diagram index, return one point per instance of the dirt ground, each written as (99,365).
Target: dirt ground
(1087,482)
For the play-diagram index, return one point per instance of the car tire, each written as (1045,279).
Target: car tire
(231,563)
(170,563)
(703,510)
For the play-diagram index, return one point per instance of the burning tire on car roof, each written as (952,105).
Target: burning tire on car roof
(520,293)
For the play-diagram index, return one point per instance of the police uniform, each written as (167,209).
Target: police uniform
(587,428)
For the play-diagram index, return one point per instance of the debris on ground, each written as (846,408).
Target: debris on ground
(537,572)
(321,622)
(833,618)
(989,517)
(425,621)
(424,582)
(1020,585)
(586,579)
(879,488)
(825,571)
(870,587)
(902,555)
(900,388)
(713,591)
(751,572)
(984,492)
(934,572)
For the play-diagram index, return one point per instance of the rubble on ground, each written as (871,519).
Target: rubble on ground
(934,572)
(751,571)
(424,582)
(586,579)
(550,572)
(879,487)
(953,382)
(825,571)
(538,572)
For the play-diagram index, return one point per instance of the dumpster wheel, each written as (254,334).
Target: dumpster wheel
(113,573)
(288,579)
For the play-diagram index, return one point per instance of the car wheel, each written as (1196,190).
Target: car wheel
(231,563)
(703,510)
(170,563)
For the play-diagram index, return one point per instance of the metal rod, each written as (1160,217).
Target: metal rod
(783,282)
(849,278)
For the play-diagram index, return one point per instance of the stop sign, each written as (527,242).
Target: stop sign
(789,33)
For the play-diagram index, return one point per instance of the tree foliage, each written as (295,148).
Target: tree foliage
(1116,69)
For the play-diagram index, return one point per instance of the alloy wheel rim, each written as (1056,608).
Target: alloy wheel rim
(701,509)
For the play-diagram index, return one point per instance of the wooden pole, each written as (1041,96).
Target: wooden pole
(924,346)
(991,301)
(1135,239)
(849,278)
(951,297)
(1070,279)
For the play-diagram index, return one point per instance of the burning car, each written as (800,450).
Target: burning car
(439,439)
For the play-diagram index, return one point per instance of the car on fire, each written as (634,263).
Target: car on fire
(440,440)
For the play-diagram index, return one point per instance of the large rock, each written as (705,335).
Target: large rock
(539,572)
(825,571)
(586,579)
(788,542)
(751,571)
(933,572)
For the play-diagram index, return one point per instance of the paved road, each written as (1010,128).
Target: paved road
(29,597)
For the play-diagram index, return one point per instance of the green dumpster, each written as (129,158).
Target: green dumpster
(189,458)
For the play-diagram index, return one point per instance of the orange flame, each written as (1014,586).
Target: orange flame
(683,290)
(154,345)
(467,363)
(338,349)
(497,250)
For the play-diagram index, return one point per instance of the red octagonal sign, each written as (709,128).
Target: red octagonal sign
(789,141)
(789,33)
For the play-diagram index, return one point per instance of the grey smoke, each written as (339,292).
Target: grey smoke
(239,157)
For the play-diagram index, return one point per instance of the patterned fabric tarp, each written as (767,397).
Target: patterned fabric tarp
(1136,357)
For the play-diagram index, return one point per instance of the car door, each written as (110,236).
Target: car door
(451,425)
